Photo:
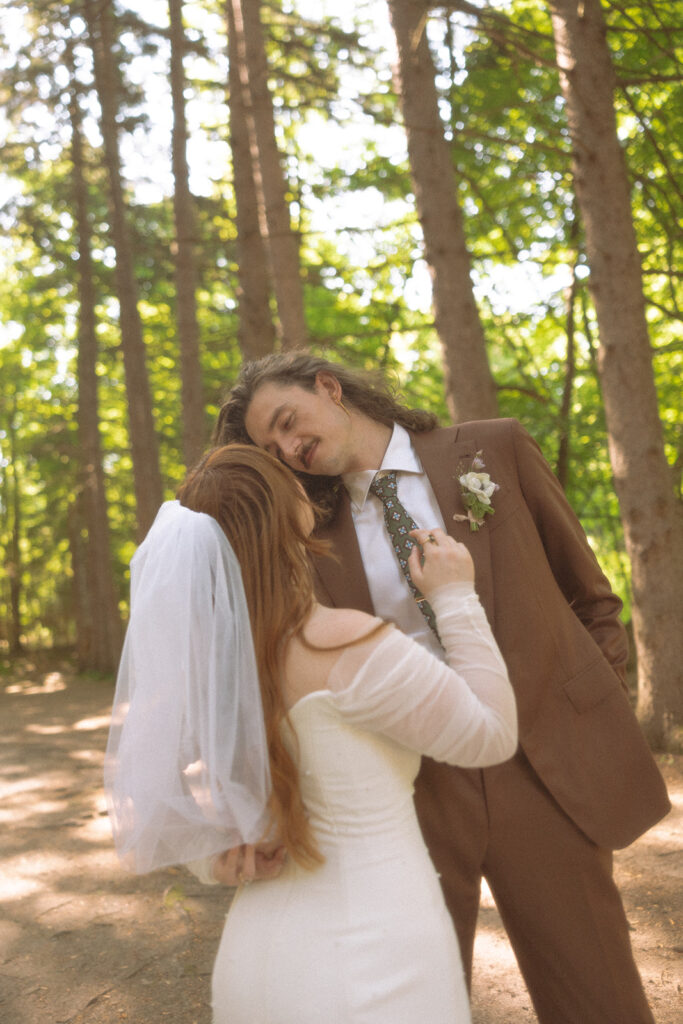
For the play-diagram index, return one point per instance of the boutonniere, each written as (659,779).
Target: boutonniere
(477,490)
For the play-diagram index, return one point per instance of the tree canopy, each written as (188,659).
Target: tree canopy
(103,73)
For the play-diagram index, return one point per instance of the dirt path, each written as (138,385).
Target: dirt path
(83,943)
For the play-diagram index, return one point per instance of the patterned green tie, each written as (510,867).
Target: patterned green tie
(399,523)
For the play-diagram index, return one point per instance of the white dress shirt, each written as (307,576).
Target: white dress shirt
(389,590)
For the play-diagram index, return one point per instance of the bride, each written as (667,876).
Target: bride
(248,719)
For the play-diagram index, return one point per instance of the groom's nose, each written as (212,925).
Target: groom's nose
(290,448)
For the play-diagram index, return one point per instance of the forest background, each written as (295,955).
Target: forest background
(482,199)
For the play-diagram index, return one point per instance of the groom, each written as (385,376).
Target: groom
(540,828)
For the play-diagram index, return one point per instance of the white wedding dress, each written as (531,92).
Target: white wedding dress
(366,937)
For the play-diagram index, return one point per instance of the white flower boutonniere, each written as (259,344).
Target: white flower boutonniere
(477,490)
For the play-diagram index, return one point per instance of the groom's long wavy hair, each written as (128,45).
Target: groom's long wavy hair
(368,392)
(258,503)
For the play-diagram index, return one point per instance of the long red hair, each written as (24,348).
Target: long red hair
(258,503)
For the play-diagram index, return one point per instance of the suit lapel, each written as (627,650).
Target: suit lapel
(443,459)
(343,577)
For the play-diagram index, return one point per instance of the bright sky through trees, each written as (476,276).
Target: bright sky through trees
(353,220)
(321,142)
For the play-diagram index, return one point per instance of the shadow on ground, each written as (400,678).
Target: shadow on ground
(83,943)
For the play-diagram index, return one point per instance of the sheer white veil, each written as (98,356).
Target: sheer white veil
(186,768)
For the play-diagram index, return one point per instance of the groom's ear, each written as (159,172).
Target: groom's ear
(328,383)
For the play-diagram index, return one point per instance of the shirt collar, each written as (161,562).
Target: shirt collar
(400,456)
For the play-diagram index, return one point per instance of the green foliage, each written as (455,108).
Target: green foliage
(366,286)
(511,153)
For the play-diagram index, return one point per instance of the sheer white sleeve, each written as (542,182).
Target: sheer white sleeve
(462,712)
(186,770)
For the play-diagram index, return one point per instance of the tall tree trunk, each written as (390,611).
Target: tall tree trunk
(562,463)
(244,23)
(82,611)
(256,330)
(5,528)
(194,434)
(471,389)
(14,564)
(143,440)
(650,511)
(101,613)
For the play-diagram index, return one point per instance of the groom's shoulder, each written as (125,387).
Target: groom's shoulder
(502,429)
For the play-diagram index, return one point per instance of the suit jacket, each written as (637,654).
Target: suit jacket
(554,616)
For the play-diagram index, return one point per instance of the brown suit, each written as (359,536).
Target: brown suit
(556,621)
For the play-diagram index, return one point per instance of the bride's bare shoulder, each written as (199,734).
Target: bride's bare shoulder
(327,635)
(330,627)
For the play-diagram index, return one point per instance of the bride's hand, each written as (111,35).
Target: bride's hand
(243,864)
(437,560)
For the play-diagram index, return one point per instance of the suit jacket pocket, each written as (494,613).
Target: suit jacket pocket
(592,685)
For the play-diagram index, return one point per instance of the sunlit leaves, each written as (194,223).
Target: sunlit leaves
(366,287)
